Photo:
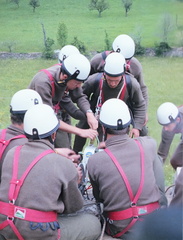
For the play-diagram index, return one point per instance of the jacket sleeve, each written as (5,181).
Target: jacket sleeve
(177,158)
(137,71)
(67,104)
(137,104)
(166,140)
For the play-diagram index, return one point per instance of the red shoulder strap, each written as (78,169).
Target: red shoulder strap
(4,143)
(51,80)
(15,183)
(133,198)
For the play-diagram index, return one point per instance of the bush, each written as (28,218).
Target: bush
(161,48)
(48,52)
(139,50)
(80,45)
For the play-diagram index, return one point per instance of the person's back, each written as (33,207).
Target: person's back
(122,175)
(38,185)
(46,188)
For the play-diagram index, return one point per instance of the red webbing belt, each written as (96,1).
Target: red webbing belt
(134,199)
(13,211)
(133,211)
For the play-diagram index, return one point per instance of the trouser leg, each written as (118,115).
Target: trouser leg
(82,226)
(79,142)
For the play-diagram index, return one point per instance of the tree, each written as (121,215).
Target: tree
(62,34)
(99,5)
(34,4)
(127,5)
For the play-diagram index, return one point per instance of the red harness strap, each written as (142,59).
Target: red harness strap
(12,211)
(56,107)
(121,93)
(4,143)
(134,211)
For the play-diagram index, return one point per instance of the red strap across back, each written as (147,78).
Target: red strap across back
(133,198)
(15,183)
(4,143)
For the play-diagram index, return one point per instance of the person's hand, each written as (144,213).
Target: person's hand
(92,121)
(68,153)
(80,173)
(88,133)
(134,133)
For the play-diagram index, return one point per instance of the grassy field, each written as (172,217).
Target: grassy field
(163,77)
(23,27)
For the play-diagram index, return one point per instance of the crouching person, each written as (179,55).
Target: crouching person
(39,185)
(122,175)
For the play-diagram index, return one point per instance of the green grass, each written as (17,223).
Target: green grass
(23,27)
(163,77)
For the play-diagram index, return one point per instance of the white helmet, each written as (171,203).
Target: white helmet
(125,45)
(40,121)
(114,64)
(77,67)
(167,113)
(115,114)
(23,100)
(66,51)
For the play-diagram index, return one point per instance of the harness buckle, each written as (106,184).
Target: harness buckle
(110,221)
(133,204)
(10,218)
(12,201)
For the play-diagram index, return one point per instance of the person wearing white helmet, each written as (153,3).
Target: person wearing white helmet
(125,45)
(66,51)
(171,118)
(123,176)
(58,81)
(114,82)
(49,187)
(13,135)
(67,108)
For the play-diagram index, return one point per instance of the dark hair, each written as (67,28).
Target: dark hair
(17,118)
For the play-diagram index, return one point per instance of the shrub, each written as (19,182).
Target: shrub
(161,48)
(48,52)
(80,45)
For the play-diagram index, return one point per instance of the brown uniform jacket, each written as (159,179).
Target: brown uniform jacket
(41,83)
(108,185)
(134,99)
(166,140)
(134,67)
(177,200)
(12,131)
(51,185)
